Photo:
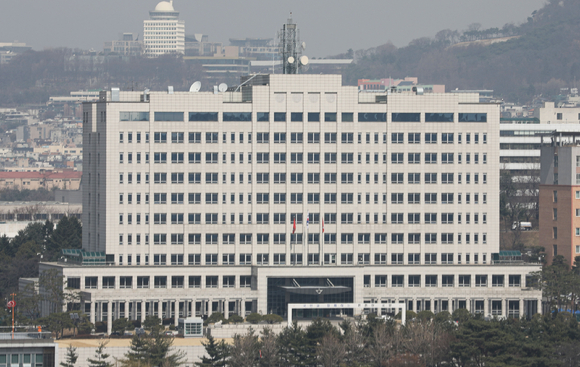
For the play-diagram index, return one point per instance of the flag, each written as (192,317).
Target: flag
(307,219)
(322,225)
(294,227)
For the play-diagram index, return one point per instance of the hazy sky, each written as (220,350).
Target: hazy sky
(327,26)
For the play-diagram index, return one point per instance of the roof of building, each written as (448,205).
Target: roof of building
(41,175)
(165,6)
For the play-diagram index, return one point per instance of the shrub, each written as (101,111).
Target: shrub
(235,319)
(254,318)
(273,318)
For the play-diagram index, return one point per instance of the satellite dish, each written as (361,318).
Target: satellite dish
(195,87)
(304,45)
(223,87)
(304,60)
(291,60)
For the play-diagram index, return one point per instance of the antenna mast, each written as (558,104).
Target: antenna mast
(289,38)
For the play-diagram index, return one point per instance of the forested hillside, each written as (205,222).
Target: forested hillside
(543,56)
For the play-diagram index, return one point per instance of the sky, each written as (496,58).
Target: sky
(328,27)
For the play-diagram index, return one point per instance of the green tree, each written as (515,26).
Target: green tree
(66,235)
(71,357)
(215,317)
(121,324)
(293,346)
(56,322)
(152,323)
(100,359)
(218,353)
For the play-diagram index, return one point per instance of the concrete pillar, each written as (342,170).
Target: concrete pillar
(160,310)
(92,313)
(109,317)
(227,308)
(142,305)
(486,311)
(176,314)
(243,307)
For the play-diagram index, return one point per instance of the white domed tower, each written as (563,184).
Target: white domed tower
(164,32)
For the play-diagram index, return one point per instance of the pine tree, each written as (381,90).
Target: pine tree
(71,357)
(218,353)
(100,357)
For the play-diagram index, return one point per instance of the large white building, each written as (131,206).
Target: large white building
(164,33)
(190,199)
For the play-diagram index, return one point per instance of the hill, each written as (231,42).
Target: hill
(537,57)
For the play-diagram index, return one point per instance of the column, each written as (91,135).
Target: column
(243,307)
(142,304)
(176,314)
(92,315)
(109,316)
(227,308)
(160,310)
(486,311)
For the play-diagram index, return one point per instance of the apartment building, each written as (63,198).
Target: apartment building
(292,189)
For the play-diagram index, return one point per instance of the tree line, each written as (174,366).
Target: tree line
(19,256)
(458,340)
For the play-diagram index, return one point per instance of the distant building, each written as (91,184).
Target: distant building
(259,48)
(40,180)
(397,85)
(198,45)
(8,50)
(560,198)
(29,348)
(164,33)
(125,46)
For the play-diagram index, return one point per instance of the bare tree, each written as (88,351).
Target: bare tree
(382,345)
(427,340)
(245,351)
(269,349)
(330,352)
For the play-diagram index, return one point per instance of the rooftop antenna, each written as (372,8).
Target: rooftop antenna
(223,87)
(291,48)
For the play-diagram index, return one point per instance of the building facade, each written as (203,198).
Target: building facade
(560,201)
(164,33)
(292,189)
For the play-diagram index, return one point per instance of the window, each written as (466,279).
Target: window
(447,280)
(464,280)
(497,280)
(414,238)
(347,138)
(160,157)
(446,158)
(430,259)
(447,198)
(414,138)
(447,178)
(414,280)
(296,157)
(397,178)
(279,198)
(413,198)
(160,137)
(430,138)
(430,178)
(430,218)
(346,259)
(472,117)
(347,158)
(397,138)
(296,138)
(397,158)
(397,198)
(414,158)
(396,259)
(447,238)
(430,158)
(296,116)
(397,281)
(397,238)
(279,178)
